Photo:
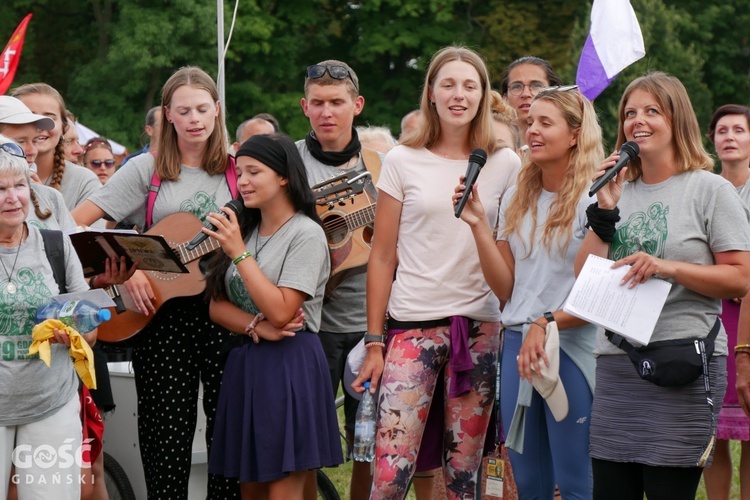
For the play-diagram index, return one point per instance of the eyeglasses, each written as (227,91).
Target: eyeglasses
(516,88)
(13,149)
(98,163)
(335,70)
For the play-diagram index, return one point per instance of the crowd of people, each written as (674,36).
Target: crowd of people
(445,306)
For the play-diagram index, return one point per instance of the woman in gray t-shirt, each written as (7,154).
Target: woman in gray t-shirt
(276,391)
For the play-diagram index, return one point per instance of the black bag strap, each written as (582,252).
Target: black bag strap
(54,247)
(619,342)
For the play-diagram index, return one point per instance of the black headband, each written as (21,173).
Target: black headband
(267,151)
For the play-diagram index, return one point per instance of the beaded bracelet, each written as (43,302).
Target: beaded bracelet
(250,328)
(91,281)
(241,257)
(379,344)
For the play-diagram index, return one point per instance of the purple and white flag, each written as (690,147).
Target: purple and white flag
(615,42)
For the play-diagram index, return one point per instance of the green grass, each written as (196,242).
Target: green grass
(735,492)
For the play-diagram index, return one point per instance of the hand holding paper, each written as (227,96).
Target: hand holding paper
(600,296)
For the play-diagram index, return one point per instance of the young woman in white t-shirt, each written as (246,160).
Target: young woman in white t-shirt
(442,315)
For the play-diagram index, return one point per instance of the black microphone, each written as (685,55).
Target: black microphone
(628,152)
(235,205)
(477,159)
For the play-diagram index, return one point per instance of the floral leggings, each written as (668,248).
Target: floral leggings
(413,361)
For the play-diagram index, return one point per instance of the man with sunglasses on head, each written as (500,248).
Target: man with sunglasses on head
(331,149)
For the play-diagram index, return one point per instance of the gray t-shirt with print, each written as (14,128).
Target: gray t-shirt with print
(686,218)
(124,196)
(346,311)
(78,183)
(31,391)
(296,256)
(50,200)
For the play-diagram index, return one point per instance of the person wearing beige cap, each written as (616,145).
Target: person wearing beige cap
(547,377)
(18,122)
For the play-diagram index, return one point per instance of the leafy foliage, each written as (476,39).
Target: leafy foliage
(109,58)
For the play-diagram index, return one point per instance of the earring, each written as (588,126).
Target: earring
(433,103)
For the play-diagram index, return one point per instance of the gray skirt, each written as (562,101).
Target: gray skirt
(633,420)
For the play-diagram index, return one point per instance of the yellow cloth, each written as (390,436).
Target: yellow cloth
(80,352)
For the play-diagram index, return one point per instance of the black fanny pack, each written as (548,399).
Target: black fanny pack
(670,363)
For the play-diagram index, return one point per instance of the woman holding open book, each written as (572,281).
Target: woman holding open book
(181,346)
(541,226)
(665,215)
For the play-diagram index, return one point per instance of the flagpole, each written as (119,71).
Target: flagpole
(220,79)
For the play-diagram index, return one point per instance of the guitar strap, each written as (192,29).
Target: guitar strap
(372,163)
(230,173)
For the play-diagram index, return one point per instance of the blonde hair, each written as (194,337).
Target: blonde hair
(215,156)
(58,165)
(371,133)
(673,101)
(480,134)
(585,156)
(502,112)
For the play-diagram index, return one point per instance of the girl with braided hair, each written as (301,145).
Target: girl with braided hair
(75,183)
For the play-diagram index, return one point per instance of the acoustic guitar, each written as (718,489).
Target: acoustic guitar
(347,210)
(177,229)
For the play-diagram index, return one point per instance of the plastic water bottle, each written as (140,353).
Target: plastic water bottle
(364,427)
(82,315)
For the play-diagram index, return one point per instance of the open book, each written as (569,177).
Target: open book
(598,297)
(150,251)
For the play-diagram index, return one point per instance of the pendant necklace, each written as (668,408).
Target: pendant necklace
(257,238)
(11,287)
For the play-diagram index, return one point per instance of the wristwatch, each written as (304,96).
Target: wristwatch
(549,317)
(369,337)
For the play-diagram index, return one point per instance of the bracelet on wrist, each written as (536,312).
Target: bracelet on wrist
(91,281)
(741,351)
(250,328)
(544,328)
(742,347)
(378,344)
(241,257)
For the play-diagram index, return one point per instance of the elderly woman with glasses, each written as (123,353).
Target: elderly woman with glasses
(40,411)
(541,226)
(98,157)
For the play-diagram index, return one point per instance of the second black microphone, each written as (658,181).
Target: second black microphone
(236,205)
(477,159)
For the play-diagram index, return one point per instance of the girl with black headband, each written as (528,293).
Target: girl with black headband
(276,416)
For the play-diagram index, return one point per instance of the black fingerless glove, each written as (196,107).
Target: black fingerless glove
(602,221)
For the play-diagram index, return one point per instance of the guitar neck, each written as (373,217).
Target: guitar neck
(206,246)
(360,217)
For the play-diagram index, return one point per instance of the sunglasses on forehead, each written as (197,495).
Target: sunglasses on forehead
(560,88)
(99,163)
(13,149)
(336,71)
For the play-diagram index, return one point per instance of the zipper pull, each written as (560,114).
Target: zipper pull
(697,347)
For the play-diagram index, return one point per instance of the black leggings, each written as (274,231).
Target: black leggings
(178,349)
(629,481)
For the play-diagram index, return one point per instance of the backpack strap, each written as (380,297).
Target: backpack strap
(54,247)
(153,190)
(230,173)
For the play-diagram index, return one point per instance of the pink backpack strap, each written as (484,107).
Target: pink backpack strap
(153,190)
(231,174)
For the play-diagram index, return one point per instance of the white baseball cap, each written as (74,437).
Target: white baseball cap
(15,112)
(548,383)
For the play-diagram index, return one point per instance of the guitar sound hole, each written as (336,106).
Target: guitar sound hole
(336,229)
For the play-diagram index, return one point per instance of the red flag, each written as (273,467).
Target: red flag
(11,55)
